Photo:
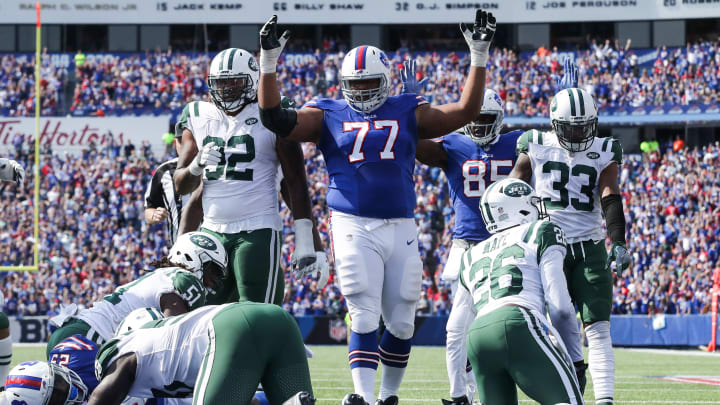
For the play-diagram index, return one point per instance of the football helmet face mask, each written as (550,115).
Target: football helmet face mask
(137,318)
(201,252)
(508,203)
(365,78)
(574,118)
(486,127)
(38,382)
(233,79)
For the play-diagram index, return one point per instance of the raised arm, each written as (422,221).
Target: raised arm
(431,153)
(300,126)
(435,121)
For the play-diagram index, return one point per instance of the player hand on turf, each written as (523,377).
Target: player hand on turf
(619,259)
(11,170)
(271,46)
(479,37)
(570,75)
(209,155)
(408,76)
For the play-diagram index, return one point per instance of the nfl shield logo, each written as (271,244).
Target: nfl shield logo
(338,330)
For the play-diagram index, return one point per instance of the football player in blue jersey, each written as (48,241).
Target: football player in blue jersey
(77,353)
(471,160)
(369,140)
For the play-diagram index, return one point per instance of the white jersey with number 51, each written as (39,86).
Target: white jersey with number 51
(145,292)
(568,182)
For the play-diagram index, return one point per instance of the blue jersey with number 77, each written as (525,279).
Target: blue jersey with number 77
(370,158)
(470,170)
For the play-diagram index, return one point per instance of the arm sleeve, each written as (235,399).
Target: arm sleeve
(560,307)
(153,195)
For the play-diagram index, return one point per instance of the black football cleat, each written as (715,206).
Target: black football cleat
(456,401)
(391,400)
(354,399)
(301,398)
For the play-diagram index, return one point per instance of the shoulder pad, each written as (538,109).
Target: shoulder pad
(612,145)
(76,343)
(326,104)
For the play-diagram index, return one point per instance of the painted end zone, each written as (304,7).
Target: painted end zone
(692,379)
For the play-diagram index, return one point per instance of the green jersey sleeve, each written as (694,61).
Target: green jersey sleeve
(523,142)
(190,288)
(104,357)
(184,120)
(549,235)
(613,146)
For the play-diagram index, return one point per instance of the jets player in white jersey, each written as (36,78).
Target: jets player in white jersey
(510,279)
(179,285)
(576,175)
(215,355)
(227,149)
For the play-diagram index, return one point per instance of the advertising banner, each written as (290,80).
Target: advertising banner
(349,11)
(72,134)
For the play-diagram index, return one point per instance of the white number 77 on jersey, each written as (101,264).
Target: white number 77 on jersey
(363,127)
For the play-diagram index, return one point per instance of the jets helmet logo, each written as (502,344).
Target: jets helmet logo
(553,105)
(517,190)
(252,64)
(203,241)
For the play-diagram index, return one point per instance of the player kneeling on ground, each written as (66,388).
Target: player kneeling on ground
(40,383)
(216,355)
(510,278)
(196,261)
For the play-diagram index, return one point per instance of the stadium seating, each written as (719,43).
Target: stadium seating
(161,82)
(93,237)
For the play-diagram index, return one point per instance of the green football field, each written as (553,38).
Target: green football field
(426,377)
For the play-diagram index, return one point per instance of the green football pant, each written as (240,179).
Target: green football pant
(252,343)
(254,272)
(73,326)
(508,346)
(589,280)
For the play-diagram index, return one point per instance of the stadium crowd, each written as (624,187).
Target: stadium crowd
(93,237)
(167,80)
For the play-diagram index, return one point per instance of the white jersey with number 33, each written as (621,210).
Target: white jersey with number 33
(239,194)
(568,182)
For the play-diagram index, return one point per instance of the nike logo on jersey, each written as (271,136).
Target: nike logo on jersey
(410,241)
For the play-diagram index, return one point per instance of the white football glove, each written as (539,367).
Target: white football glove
(479,37)
(11,170)
(304,254)
(271,46)
(209,155)
(322,267)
